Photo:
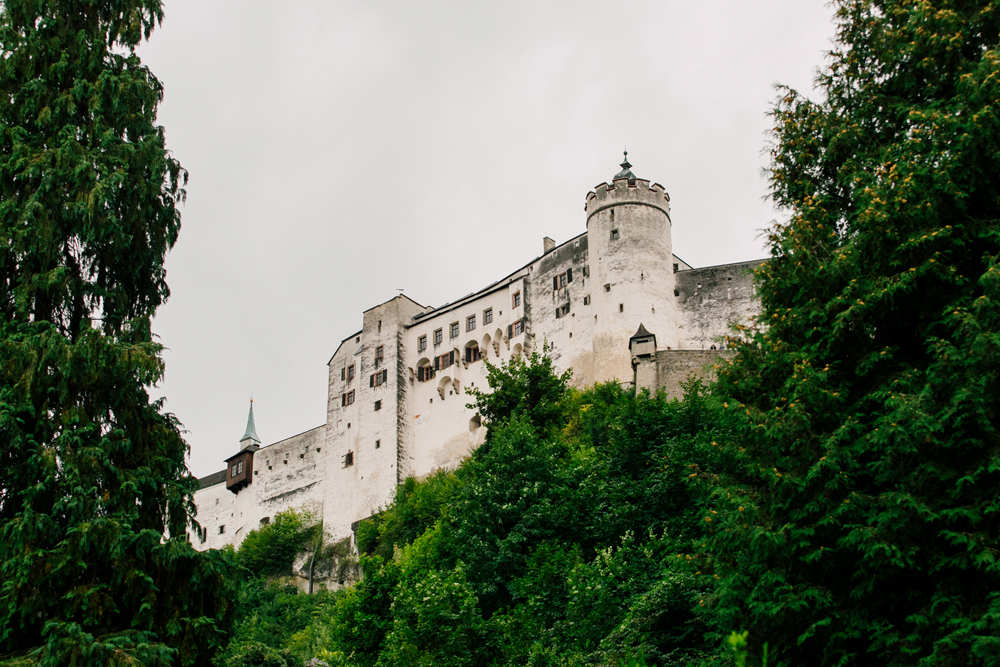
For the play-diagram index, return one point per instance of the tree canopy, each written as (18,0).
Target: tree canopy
(862,524)
(92,473)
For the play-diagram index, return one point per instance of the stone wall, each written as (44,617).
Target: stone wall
(286,475)
(676,366)
(711,299)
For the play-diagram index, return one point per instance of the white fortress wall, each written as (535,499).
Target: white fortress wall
(396,402)
(288,474)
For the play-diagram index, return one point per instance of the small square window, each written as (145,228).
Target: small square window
(438,336)
(454,329)
(470,323)
(488,316)
(621,307)
(516,300)
(348,459)
(586,300)
(222,529)
(378,443)
(614,234)
(421,343)
(607,287)
(378,405)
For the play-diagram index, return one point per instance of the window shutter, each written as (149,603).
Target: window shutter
(343,400)
(437,363)
(451,357)
(510,330)
(371,380)
(569,275)
(555,282)
(385,376)
(420,373)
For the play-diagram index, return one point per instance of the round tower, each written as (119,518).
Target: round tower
(631,266)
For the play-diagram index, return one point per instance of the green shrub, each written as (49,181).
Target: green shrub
(271,549)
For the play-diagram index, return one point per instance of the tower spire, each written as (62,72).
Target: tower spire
(626,171)
(251,432)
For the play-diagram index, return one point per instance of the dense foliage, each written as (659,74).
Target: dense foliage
(92,474)
(270,549)
(863,523)
(570,538)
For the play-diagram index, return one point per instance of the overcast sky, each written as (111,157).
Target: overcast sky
(340,151)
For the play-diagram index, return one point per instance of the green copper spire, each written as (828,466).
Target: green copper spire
(626,171)
(251,433)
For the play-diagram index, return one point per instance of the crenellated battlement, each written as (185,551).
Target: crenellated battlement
(626,191)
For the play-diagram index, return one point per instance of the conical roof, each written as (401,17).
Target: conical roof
(626,171)
(641,332)
(251,432)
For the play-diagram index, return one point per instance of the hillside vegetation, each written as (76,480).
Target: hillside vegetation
(570,537)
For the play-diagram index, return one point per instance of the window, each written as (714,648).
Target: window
(350,372)
(563,279)
(424,373)
(240,471)
(621,307)
(472,354)
(518,327)
(488,316)
(607,287)
(454,329)
(348,459)
(470,323)
(438,336)
(232,473)
(586,300)
(516,300)
(266,520)
(378,405)
(347,399)
(444,361)
(614,234)
(378,443)
(379,355)
(421,343)
(676,266)
(563,310)
(378,379)
(222,529)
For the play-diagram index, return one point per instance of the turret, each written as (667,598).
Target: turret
(239,466)
(631,264)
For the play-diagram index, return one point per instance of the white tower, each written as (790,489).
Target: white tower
(631,264)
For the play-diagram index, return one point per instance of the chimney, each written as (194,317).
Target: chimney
(547,244)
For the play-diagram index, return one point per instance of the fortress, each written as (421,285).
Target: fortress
(614,303)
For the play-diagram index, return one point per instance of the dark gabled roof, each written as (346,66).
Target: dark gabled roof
(641,333)
(212,480)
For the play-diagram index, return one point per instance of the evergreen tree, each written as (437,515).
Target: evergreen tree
(863,526)
(95,497)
